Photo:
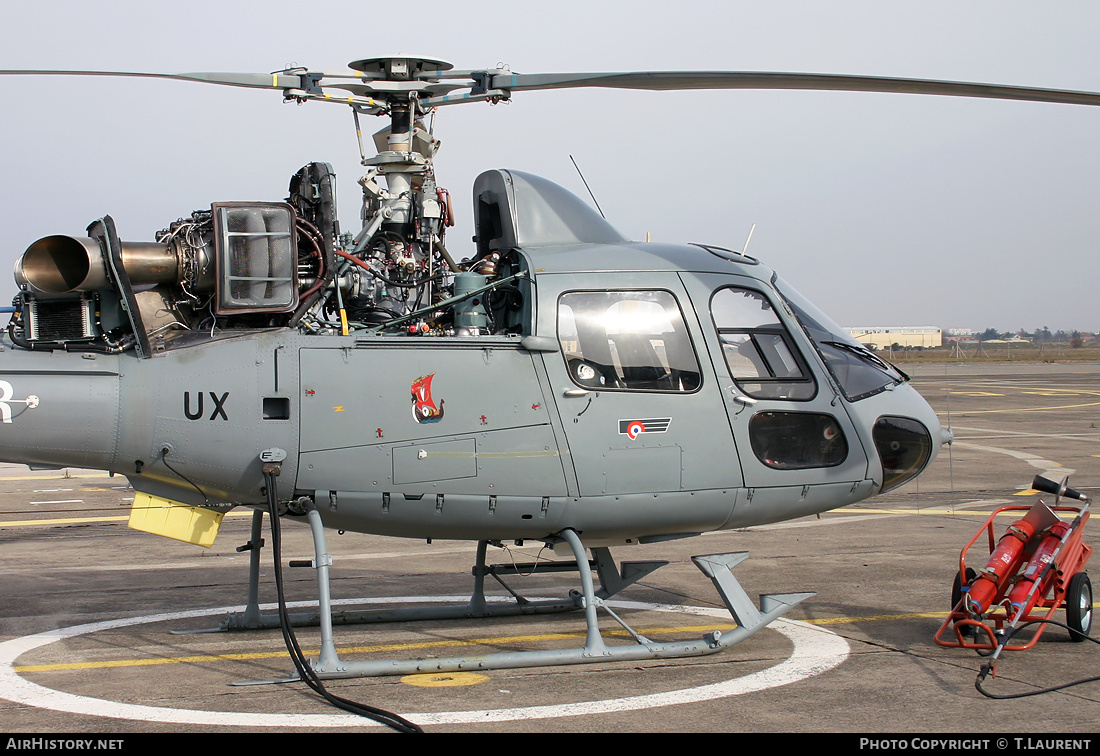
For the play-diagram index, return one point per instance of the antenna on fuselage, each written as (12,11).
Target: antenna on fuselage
(586,186)
(745,249)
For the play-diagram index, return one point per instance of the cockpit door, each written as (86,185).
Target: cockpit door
(634,387)
(791,427)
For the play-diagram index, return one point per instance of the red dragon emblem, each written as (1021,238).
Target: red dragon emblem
(424,408)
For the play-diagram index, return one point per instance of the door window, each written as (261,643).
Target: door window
(757,348)
(627,340)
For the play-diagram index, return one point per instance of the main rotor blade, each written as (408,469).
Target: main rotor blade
(251,80)
(678,80)
(644,80)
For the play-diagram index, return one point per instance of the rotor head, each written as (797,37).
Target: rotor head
(400,67)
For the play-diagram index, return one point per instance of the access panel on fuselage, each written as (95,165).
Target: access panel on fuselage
(416,416)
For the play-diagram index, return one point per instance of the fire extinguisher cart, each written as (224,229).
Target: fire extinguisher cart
(1036,568)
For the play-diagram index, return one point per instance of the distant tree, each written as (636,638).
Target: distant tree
(1061,336)
(1076,340)
(988,334)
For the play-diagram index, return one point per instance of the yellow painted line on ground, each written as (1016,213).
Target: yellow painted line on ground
(847,510)
(78,520)
(1057,392)
(877,618)
(1049,391)
(61,521)
(883,617)
(1020,409)
(445,679)
(926,512)
(53,477)
(953,513)
(389,647)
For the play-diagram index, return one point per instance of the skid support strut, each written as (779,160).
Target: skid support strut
(251,618)
(717,567)
(251,615)
(611,581)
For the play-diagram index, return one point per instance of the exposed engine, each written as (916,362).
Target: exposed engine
(239,266)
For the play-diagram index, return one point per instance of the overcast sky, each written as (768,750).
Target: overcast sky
(883,209)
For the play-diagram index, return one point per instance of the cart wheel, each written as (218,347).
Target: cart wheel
(956,587)
(957,594)
(1079,607)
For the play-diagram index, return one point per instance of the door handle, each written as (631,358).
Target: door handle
(575,392)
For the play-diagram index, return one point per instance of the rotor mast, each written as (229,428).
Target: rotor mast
(405,149)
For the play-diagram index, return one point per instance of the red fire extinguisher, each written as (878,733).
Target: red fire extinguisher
(1043,555)
(1003,564)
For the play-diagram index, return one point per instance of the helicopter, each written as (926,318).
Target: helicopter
(559,384)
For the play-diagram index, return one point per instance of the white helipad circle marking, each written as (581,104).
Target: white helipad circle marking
(816,650)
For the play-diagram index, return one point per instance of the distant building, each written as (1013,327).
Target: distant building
(880,337)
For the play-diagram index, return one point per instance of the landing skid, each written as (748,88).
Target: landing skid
(612,581)
(717,567)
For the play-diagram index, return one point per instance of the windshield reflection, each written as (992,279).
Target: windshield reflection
(858,371)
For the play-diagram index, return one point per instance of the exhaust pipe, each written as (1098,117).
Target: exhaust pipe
(62,264)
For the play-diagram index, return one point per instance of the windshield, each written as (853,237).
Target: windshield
(858,371)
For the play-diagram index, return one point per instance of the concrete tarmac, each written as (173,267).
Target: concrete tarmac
(88,607)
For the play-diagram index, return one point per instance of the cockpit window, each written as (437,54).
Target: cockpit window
(858,371)
(627,340)
(758,348)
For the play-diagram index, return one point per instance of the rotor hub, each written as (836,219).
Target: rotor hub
(400,67)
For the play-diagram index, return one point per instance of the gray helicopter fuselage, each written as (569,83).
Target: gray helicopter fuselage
(631,406)
(561,377)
